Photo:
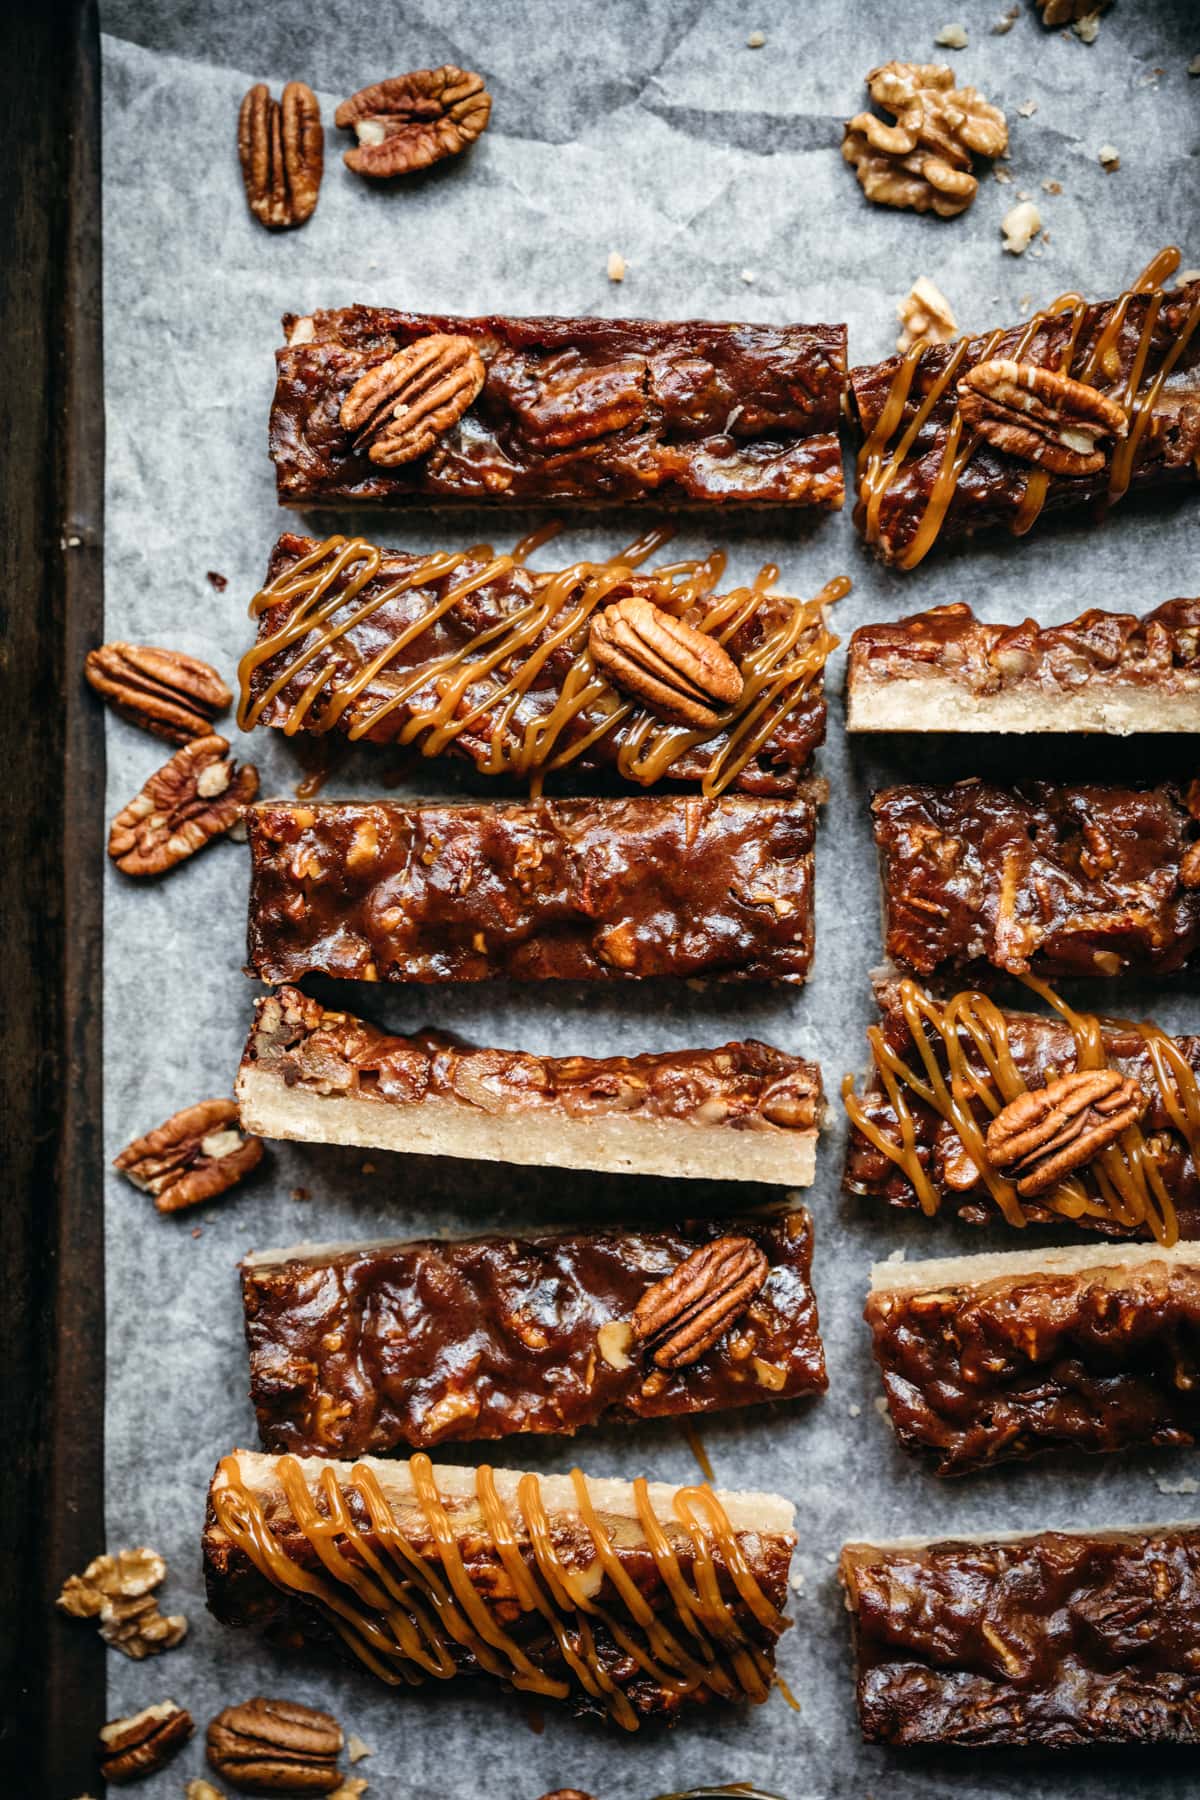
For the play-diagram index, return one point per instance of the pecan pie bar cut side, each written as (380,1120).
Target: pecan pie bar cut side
(743,1112)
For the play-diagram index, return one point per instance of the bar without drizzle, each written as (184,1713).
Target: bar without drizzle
(475,655)
(925,474)
(946,670)
(635,1601)
(990,1358)
(940,1072)
(579,411)
(362,1347)
(568,889)
(1052,1640)
(744,1112)
(1079,880)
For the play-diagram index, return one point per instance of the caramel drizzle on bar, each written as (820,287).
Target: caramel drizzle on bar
(508,657)
(877,470)
(1123,1186)
(401,1612)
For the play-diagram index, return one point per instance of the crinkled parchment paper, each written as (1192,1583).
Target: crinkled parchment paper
(714,169)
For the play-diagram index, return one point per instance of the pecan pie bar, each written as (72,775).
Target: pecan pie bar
(596,666)
(635,1601)
(744,1112)
(540,1334)
(1051,1640)
(989,1358)
(1080,880)
(377,405)
(567,889)
(1030,1118)
(946,670)
(1076,407)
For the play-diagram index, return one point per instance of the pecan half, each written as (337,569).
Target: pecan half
(192,799)
(276,1746)
(923,160)
(692,1308)
(144,1742)
(1039,415)
(401,407)
(681,674)
(196,1154)
(281,148)
(411,121)
(175,696)
(119,1591)
(1044,1134)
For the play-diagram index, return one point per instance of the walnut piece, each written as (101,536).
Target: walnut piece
(196,1154)
(202,1790)
(681,674)
(192,799)
(926,316)
(401,407)
(1044,1134)
(175,696)
(276,1746)
(1066,12)
(1020,225)
(144,1742)
(411,121)
(1040,416)
(923,161)
(692,1308)
(281,148)
(119,1591)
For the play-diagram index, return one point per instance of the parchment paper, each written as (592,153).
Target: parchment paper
(652,129)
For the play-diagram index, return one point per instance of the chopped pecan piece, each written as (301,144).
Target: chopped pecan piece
(1044,1134)
(173,695)
(119,1591)
(401,407)
(1039,415)
(926,316)
(196,1154)
(923,161)
(192,799)
(276,1746)
(281,148)
(682,674)
(411,121)
(143,1743)
(692,1308)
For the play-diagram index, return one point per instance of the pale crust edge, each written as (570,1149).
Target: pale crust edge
(920,703)
(975,1271)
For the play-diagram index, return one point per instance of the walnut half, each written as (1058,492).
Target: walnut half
(923,160)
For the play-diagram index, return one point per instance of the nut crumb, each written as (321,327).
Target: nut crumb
(1027,108)
(219,581)
(1194,66)
(367,1168)
(796,1581)
(1087,29)
(854,1409)
(356,1749)
(952,36)
(1110,156)
(756,40)
(197,1231)
(1020,227)
(299,1193)
(881,1406)
(616,266)
(748,277)
(926,316)
(1003,176)
(899,1256)
(1188,1485)
(1052,187)
(202,1790)
(1006,21)
(351,1788)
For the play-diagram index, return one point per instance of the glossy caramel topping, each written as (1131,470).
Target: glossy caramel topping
(1123,1187)
(409,1609)
(886,448)
(477,687)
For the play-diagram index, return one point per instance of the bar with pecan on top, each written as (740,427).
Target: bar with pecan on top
(596,666)
(1071,880)
(1027,1117)
(1051,1640)
(377,405)
(566,889)
(1079,405)
(362,1347)
(634,1601)
(743,1112)
(989,1358)
(946,670)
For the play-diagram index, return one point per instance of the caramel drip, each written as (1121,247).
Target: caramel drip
(483,682)
(878,470)
(404,1613)
(1123,1186)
